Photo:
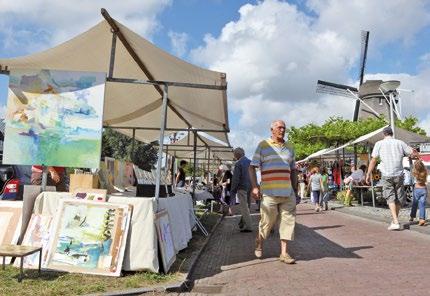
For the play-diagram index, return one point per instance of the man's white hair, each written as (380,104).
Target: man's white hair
(272,125)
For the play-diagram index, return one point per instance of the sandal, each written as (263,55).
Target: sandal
(258,248)
(287,259)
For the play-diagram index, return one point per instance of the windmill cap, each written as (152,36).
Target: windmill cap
(388,131)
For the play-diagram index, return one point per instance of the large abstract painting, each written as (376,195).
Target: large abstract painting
(54,118)
(10,222)
(89,237)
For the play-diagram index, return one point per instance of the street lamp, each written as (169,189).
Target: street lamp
(390,88)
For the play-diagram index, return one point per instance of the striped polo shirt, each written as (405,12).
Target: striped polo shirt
(275,162)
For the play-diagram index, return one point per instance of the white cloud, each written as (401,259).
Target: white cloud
(274,54)
(178,42)
(40,24)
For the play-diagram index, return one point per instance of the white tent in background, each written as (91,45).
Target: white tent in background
(370,139)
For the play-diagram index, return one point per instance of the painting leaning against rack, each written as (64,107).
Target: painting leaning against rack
(89,237)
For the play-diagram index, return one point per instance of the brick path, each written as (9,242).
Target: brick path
(337,254)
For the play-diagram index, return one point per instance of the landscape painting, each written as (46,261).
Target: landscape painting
(89,237)
(54,118)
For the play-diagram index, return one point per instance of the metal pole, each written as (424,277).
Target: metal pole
(160,146)
(195,160)
(392,114)
(209,169)
(44,178)
(132,145)
(371,179)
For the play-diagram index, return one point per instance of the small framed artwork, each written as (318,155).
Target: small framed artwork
(165,239)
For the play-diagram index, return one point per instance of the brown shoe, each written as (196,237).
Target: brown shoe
(258,248)
(287,259)
(422,222)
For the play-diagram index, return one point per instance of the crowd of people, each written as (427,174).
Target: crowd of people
(283,185)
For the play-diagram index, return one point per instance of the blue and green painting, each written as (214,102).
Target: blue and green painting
(85,237)
(54,118)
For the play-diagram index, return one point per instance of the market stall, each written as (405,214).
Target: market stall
(147,94)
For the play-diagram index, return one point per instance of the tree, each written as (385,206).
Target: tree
(336,131)
(119,146)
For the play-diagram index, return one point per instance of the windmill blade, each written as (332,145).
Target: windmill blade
(335,89)
(363,58)
(363,55)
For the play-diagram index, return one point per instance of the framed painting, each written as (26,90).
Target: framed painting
(129,179)
(165,239)
(10,222)
(54,118)
(37,235)
(89,237)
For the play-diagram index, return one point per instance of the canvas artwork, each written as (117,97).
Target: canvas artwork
(165,239)
(119,174)
(129,174)
(90,194)
(10,222)
(89,237)
(139,174)
(37,235)
(110,166)
(54,118)
(104,178)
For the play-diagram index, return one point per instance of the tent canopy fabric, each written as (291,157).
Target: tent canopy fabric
(138,105)
(370,139)
(184,148)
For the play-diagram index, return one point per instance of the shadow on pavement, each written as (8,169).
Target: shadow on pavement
(229,249)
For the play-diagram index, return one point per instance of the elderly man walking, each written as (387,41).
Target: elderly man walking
(278,191)
(391,152)
(241,186)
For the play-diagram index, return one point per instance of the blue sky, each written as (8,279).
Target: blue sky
(272,51)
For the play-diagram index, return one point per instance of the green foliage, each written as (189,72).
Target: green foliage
(119,146)
(410,124)
(189,169)
(336,131)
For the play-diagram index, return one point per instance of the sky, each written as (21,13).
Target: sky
(272,51)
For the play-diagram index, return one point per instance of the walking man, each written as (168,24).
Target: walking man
(278,191)
(241,186)
(391,152)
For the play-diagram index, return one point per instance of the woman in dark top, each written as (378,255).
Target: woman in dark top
(226,184)
(180,176)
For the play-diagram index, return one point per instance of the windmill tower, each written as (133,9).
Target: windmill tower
(370,99)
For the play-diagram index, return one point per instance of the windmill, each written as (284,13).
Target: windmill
(371,98)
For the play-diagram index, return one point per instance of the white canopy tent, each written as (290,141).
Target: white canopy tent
(130,102)
(148,91)
(370,139)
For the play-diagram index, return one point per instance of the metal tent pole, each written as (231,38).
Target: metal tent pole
(195,160)
(132,145)
(392,114)
(161,142)
(371,178)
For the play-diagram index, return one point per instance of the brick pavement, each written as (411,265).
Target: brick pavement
(336,254)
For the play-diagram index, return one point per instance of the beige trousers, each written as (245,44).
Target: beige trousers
(273,207)
(244,209)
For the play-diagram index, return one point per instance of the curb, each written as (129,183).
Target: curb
(174,287)
(187,282)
